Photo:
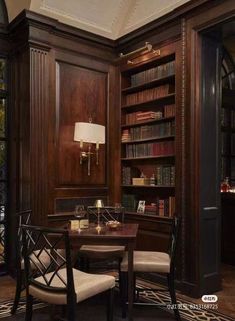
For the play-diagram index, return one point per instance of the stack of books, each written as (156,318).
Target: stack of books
(126,135)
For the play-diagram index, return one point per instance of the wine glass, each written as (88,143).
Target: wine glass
(79,214)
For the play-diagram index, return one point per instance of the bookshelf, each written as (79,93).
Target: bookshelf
(227,122)
(148,118)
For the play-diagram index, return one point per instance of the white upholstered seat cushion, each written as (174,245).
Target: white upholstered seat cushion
(86,285)
(148,262)
(102,248)
(101,251)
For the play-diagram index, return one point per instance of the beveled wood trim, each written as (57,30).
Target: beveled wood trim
(183,160)
(49,24)
(39,82)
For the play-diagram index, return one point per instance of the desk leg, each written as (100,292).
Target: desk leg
(130,281)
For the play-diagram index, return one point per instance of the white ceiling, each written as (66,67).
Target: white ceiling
(108,18)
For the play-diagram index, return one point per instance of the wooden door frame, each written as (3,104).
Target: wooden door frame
(191,104)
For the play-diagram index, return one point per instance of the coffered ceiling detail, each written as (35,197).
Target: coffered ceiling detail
(108,18)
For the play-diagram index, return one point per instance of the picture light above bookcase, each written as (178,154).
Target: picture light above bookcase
(145,49)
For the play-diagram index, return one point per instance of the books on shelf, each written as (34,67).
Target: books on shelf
(166,148)
(140,116)
(126,135)
(169,110)
(161,71)
(149,131)
(165,175)
(128,173)
(166,206)
(163,207)
(149,94)
(129,202)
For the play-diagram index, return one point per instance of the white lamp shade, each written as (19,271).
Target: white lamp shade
(89,133)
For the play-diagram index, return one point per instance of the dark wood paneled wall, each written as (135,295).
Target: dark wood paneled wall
(81,94)
(61,80)
(60,75)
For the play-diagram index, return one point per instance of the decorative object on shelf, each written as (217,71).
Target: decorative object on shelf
(225,187)
(98,204)
(140,181)
(92,134)
(152,180)
(141,207)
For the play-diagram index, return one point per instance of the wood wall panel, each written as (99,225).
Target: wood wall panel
(81,94)
(39,81)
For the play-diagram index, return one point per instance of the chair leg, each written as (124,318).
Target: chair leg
(171,285)
(71,312)
(110,305)
(124,291)
(17,293)
(29,307)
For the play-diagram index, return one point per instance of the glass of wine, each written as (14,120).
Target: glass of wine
(79,214)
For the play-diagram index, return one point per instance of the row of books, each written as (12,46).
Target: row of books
(165,175)
(140,116)
(169,110)
(149,94)
(149,131)
(161,71)
(163,207)
(166,148)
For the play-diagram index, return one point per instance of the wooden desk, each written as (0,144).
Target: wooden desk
(125,235)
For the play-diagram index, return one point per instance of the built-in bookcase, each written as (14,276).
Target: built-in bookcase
(148,119)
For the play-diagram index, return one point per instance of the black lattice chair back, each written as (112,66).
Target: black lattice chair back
(174,240)
(2,241)
(107,213)
(23,218)
(38,242)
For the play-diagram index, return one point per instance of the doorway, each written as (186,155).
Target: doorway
(218,156)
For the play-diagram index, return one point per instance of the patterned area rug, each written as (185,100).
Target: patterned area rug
(5,307)
(188,310)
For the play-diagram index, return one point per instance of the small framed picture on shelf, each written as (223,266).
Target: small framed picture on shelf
(141,207)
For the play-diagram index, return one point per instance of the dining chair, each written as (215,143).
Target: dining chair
(58,283)
(23,217)
(154,262)
(89,253)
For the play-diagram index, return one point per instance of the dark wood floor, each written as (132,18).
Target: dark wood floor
(226,297)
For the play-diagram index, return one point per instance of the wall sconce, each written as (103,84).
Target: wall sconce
(92,134)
